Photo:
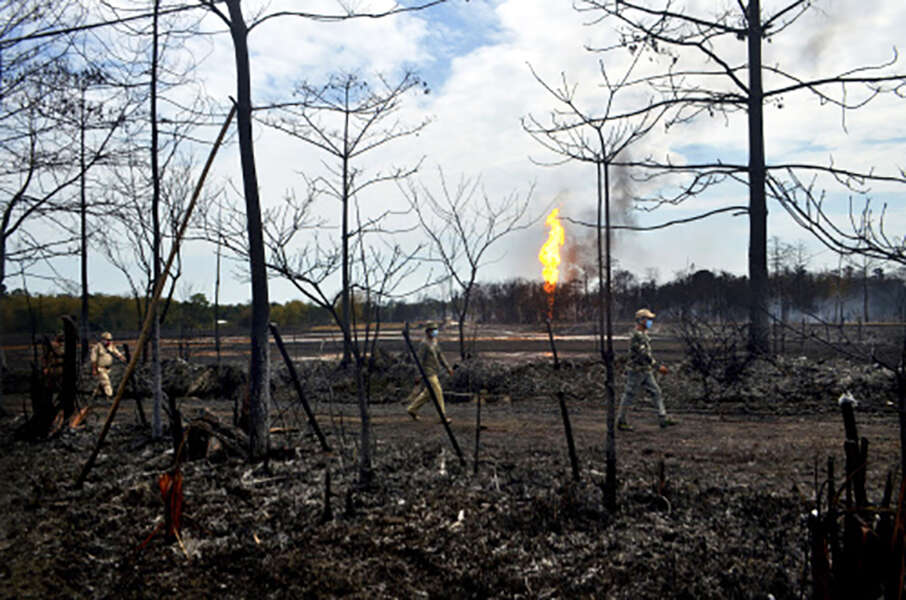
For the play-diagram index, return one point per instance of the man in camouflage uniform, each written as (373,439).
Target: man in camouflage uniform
(639,371)
(102,355)
(432,359)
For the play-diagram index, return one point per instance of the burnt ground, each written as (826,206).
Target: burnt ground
(726,521)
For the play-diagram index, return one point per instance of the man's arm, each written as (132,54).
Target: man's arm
(443,360)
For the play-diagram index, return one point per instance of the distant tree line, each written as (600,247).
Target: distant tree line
(21,312)
(848,294)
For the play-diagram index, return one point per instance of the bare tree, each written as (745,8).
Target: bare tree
(44,147)
(346,118)
(150,44)
(383,268)
(700,74)
(462,224)
(239,28)
(28,148)
(864,233)
(865,238)
(130,250)
(575,134)
(379,270)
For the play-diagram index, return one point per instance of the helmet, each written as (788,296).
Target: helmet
(106,336)
(643,313)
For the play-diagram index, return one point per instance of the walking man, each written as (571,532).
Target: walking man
(639,372)
(102,355)
(432,359)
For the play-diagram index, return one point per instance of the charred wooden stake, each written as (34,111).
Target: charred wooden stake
(570,444)
(855,456)
(296,384)
(901,406)
(138,399)
(434,399)
(820,563)
(550,335)
(477,428)
(70,366)
(327,513)
(833,540)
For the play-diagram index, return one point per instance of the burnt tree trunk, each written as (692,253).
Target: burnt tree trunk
(759,333)
(605,322)
(901,405)
(83,219)
(345,297)
(156,375)
(259,375)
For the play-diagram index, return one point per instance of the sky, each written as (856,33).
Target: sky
(478,59)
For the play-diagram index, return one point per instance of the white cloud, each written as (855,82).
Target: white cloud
(489,87)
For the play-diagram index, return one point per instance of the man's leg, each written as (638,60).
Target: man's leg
(438,392)
(104,382)
(416,400)
(629,392)
(654,389)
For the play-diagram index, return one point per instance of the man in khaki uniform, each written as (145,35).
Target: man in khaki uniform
(639,372)
(102,355)
(432,359)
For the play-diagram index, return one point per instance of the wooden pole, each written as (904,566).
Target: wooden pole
(550,336)
(561,398)
(138,398)
(855,460)
(477,428)
(158,288)
(298,386)
(70,366)
(434,399)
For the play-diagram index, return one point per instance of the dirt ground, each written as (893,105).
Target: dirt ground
(726,520)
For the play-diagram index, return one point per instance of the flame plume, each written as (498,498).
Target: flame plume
(550,253)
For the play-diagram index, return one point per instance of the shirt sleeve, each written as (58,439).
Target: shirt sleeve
(442,359)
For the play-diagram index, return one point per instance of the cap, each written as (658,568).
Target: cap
(106,336)
(643,313)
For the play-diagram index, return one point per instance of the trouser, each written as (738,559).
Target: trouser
(636,380)
(420,395)
(104,381)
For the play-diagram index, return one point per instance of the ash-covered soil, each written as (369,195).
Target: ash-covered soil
(726,519)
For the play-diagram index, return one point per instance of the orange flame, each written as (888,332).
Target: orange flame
(550,252)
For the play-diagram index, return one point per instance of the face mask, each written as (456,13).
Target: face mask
(648,323)
(432,333)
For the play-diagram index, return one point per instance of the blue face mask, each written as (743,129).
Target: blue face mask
(432,333)
(648,323)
